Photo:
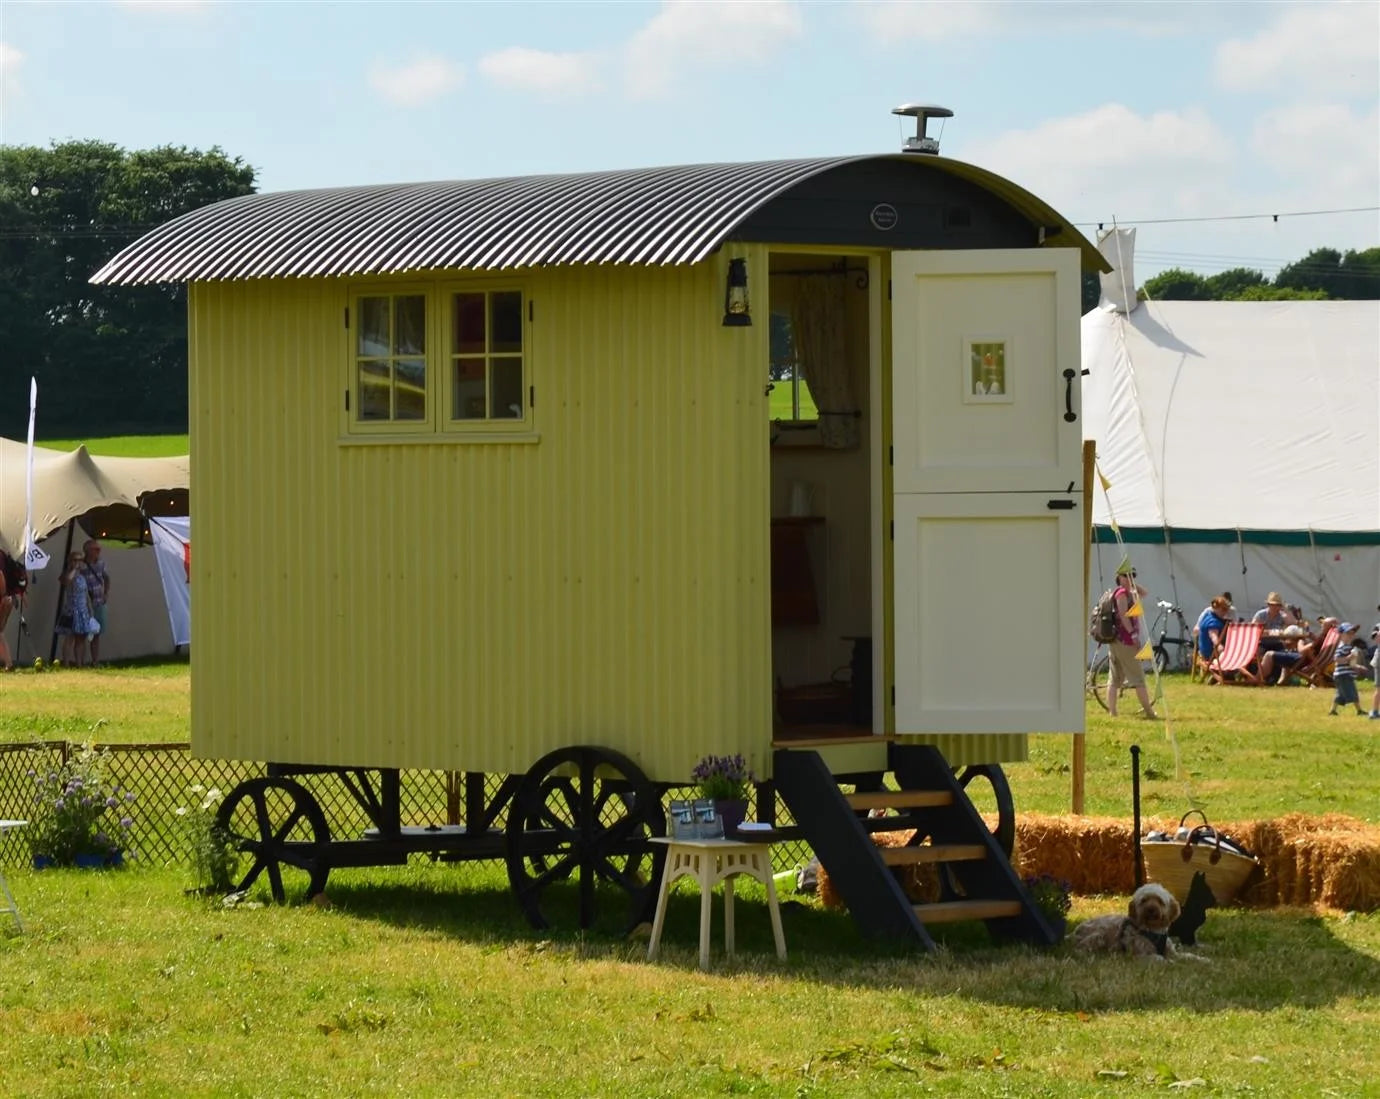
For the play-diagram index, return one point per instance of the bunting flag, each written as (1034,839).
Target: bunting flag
(1147,652)
(1102,477)
(1135,610)
(1124,568)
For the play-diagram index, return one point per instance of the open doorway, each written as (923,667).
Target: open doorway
(821,500)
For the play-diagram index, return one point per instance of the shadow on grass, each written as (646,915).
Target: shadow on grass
(1258,960)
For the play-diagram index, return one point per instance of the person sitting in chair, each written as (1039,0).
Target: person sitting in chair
(1275,617)
(1210,625)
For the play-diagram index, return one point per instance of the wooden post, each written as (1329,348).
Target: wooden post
(1080,742)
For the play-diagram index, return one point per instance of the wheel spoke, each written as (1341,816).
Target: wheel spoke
(559,869)
(296,815)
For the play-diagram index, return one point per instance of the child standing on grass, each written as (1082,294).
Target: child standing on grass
(1344,671)
(1375,667)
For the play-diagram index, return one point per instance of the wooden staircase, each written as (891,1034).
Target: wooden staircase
(980,882)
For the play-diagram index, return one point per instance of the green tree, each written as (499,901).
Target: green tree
(109,360)
(1231,284)
(1175,284)
(1351,276)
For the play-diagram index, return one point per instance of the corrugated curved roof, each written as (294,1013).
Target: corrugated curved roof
(654,216)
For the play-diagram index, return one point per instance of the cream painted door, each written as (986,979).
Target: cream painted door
(987,500)
(988,613)
(966,323)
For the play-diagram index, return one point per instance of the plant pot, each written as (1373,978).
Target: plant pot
(731,812)
(43,862)
(92,861)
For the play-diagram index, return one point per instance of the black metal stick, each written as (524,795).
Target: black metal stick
(1135,812)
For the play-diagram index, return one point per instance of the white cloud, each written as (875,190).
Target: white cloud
(548,74)
(1327,49)
(1112,161)
(895,21)
(687,32)
(417,82)
(10,61)
(1330,150)
(164,5)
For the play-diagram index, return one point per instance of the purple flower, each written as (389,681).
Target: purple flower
(125,822)
(110,803)
(58,804)
(129,797)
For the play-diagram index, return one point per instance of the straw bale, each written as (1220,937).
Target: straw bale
(1092,854)
(920,883)
(1329,861)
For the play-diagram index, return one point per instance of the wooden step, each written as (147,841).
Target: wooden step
(932,852)
(953,911)
(900,799)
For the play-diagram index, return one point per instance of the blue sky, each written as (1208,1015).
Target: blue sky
(1134,112)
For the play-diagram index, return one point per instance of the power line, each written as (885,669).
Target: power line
(1128,223)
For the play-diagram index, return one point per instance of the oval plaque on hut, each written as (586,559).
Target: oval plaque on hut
(884,216)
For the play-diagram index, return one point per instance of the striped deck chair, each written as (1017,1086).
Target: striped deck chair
(1318,671)
(1237,662)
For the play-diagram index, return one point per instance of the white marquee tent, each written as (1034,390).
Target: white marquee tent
(1241,445)
(66,486)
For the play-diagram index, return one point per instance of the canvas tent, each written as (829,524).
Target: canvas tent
(1241,448)
(69,486)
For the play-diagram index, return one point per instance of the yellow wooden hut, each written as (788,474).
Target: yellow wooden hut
(776,458)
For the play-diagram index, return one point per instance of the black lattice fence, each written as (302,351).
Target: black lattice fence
(162,778)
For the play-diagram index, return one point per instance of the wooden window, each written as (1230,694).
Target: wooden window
(439,359)
(390,383)
(486,368)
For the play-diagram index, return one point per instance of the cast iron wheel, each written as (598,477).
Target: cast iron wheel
(589,810)
(1099,669)
(278,823)
(1005,831)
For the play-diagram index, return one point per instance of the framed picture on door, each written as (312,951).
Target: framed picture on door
(987,370)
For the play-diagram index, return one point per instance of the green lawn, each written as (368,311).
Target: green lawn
(424,980)
(125,446)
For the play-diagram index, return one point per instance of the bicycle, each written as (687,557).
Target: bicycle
(1159,629)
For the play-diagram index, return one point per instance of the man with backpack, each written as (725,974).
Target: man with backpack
(1126,670)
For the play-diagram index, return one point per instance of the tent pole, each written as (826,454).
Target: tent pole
(1245,587)
(57,611)
(1080,740)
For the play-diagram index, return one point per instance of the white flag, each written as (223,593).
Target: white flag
(34,558)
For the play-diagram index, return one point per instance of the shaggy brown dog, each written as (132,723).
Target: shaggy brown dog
(1143,932)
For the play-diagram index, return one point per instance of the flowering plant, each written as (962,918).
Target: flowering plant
(79,812)
(722,778)
(210,850)
(1050,895)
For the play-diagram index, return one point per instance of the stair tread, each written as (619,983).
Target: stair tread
(900,799)
(951,911)
(932,852)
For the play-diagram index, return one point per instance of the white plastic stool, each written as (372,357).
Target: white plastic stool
(9,903)
(710,861)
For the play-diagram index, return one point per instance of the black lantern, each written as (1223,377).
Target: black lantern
(736,313)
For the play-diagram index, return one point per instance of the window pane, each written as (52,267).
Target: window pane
(506,324)
(409,335)
(372,328)
(507,389)
(375,388)
(411,389)
(468,388)
(467,324)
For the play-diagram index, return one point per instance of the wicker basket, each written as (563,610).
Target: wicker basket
(1173,862)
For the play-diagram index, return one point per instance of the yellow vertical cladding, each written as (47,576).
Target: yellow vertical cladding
(476,605)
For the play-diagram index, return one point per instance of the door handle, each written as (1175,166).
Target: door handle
(1069,414)
(1061,505)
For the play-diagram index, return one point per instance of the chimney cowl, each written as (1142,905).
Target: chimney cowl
(922,113)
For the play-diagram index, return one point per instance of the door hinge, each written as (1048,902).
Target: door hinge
(531,396)
(888,289)
(347,400)
(891,455)
(531,311)
(893,694)
(347,316)
(892,526)
(1060,505)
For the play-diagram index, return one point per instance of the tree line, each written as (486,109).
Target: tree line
(110,360)
(113,360)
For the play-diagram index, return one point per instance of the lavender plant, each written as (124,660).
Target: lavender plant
(722,778)
(79,811)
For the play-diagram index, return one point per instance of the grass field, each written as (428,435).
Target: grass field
(125,446)
(425,981)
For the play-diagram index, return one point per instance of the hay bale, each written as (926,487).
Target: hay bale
(1329,861)
(920,882)
(1092,854)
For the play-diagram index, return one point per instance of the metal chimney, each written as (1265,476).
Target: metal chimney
(922,113)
